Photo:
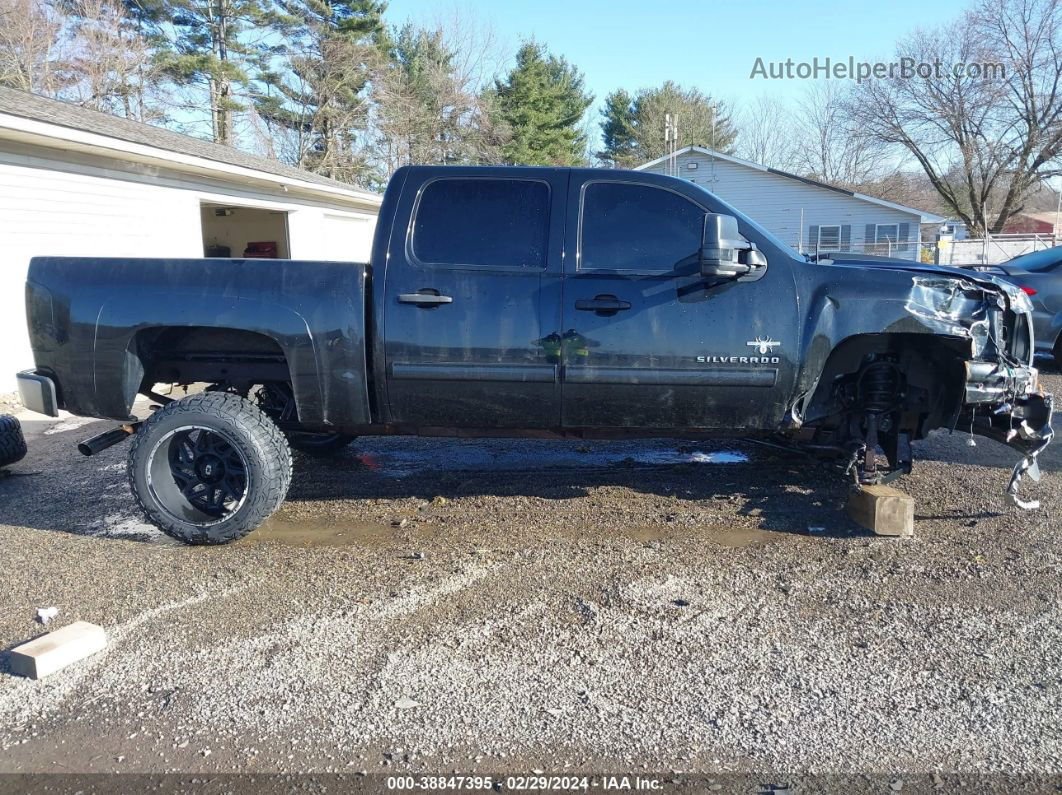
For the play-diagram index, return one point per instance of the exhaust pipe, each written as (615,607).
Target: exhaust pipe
(100,442)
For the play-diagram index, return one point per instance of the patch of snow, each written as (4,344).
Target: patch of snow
(46,614)
(117,525)
(71,424)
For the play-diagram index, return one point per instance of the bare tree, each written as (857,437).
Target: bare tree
(109,66)
(478,53)
(984,139)
(30,44)
(428,106)
(830,144)
(765,133)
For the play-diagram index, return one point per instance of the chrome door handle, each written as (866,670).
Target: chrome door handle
(424,299)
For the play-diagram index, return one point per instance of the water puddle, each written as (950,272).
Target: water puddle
(723,535)
(399,459)
(696,457)
(738,537)
(330,532)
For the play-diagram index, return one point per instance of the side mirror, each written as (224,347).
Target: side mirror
(725,254)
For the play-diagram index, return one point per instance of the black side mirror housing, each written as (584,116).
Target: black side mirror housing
(725,254)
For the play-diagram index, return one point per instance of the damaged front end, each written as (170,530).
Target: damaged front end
(957,356)
(1002,402)
(1001,398)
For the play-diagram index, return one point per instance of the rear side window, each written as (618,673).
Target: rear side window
(482,222)
(628,227)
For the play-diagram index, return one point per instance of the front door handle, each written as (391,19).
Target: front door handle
(424,299)
(604,304)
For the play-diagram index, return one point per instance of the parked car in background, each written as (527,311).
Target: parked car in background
(1039,275)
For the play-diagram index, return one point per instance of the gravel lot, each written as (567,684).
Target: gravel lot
(436,605)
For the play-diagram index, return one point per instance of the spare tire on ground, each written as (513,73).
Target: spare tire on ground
(12,445)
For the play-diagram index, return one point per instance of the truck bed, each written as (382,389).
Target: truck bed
(309,316)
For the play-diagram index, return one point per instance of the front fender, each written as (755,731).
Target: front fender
(840,312)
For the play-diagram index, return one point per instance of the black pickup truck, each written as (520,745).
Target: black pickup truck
(524,301)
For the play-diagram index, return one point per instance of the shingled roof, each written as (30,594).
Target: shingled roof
(65,114)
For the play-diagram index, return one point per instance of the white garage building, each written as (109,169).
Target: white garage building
(81,183)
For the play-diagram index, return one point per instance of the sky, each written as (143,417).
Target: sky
(707,44)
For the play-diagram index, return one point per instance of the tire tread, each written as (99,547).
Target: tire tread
(12,442)
(253,423)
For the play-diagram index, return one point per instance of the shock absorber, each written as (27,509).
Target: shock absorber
(879,386)
(878,391)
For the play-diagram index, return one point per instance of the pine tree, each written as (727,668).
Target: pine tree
(634,132)
(541,101)
(212,48)
(618,131)
(318,95)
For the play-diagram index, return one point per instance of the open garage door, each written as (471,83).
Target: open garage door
(233,231)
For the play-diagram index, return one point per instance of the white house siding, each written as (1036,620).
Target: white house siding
(74,204)
(777,202)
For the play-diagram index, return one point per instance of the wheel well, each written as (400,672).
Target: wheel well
(932,369)
(191,354)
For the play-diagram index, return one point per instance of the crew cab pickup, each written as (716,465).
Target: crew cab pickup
(514,301)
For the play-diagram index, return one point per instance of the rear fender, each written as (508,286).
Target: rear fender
(117,369)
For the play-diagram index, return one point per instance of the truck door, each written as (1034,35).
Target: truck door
(649,342)
(472,300)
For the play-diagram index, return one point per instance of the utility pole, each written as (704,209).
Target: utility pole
(671,143)
(985,239)
(1058,210)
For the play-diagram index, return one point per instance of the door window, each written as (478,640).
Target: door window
(629,227)
(482,222)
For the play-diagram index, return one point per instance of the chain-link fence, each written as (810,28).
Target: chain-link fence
(911,249)
(993,249)
(987,251)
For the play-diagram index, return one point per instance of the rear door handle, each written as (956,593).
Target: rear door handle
(424,299)
(602,303)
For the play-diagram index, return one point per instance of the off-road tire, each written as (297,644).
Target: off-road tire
(12,444)
(319,445)
(247,430)
(1058,353)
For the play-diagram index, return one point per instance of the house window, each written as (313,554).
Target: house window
(829,238)
(887,233)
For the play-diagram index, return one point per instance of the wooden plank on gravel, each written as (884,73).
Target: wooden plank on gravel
(883,510)
(49,653)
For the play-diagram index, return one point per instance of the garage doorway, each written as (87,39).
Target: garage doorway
(234,231)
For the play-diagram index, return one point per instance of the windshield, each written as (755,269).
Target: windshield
(714,200)
(1037,260)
